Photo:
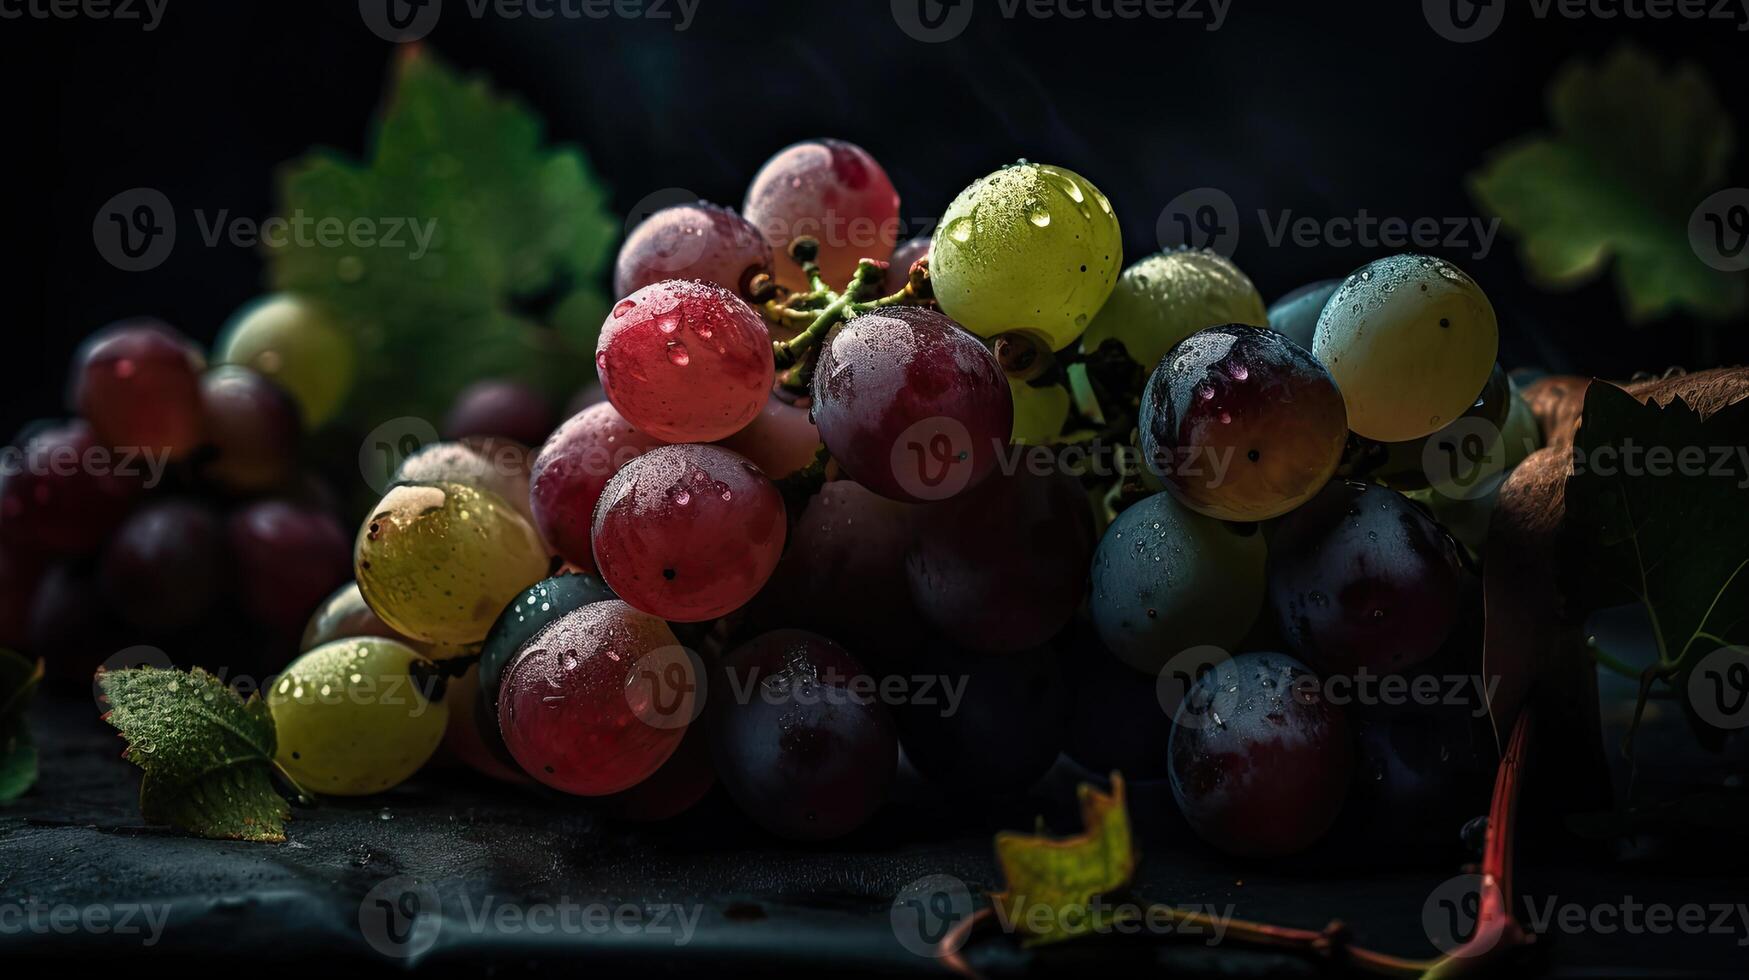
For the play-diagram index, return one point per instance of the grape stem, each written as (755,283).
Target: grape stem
(787,353)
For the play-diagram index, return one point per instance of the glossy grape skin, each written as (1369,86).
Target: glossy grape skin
(138,384)
(1116,722)
(1295,315)
(782,439)
(832,191)
(165,565)
(1166,579)
(72,627)
(572,469)
(904,257)
(910,405)
(472,737)
(356,717)
(528,614)
(671,790)
(688,533)
(298,347)
(808,752)
(439,561)
(344,614)
(1003,733)
(252,428)
(566,704)
(1003,567)
(1361,578)
(1404,465)
(499,408)
(1270,776)
(55,499)
(692,241)
(685,361)
(1039,413)
(1241,424)
(288,557)
(1410,340)
(1166,297)
(1421,772)
(1031,248)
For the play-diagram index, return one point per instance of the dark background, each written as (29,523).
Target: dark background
(1324,108)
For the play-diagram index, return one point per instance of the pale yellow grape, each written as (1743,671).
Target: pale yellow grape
(1030,249)
(355,716)
(291,341)
(1168,296)
(1038,413)
(439,561)
(1410,340)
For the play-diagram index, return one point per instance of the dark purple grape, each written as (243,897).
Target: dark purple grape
(65,494)
(497,407)
(138,384)
(20,570)
(287,558)
(1003,567)
(165,566)
(692,241)
(1295,315)
(1260,760)
(252,431)
(994,724)
(529,613)
(1360,578)
(1421,771)
(799,739)
(1116,720)
(72,627)
(905,256)
(911,405)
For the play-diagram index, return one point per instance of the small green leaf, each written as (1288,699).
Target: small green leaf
(19,678)
(1587,193)
(207,753)
(1052,882)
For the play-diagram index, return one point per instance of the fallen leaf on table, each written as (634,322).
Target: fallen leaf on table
(1052,882)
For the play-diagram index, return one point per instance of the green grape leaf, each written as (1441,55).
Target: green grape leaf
(19,678)
(1587,193)
(503,246)
(207,753)
(1655,506)
(1052,882)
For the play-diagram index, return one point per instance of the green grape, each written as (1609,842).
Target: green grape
(1521,435)
(1032,249)
(439,561)
(1410,340)
(289,340)
(1168,296)
(1039,413)
(353,717)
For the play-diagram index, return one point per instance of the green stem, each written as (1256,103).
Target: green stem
(1610,662)
(787,353)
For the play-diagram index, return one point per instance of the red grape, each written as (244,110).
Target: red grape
(688,533)
(570,708)
(832,191)
(912,406)
(473,728)
(288,558)
(904,257)
(571,471)
(673,789)
(62,496)
(799,741)
(782,440)
(692,241)
(1260,760)
(1359,578)
(138,384)
(589,394)
(1241,423)
(685,361)
(164,567)
(1004,566)
(496,407)
(252,430)
(345,614)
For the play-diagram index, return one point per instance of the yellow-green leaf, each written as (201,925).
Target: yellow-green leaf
(1052,883)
